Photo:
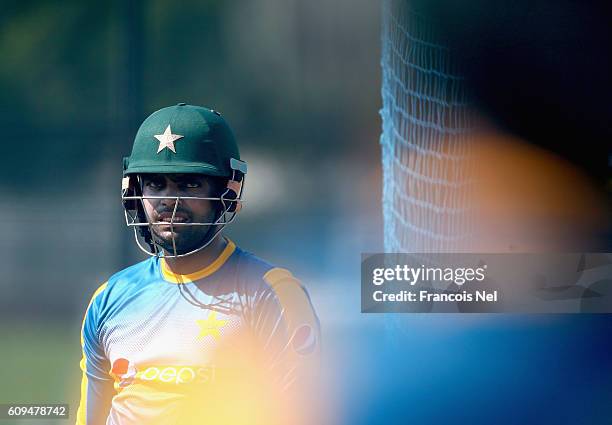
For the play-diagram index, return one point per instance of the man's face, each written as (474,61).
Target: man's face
(186,238)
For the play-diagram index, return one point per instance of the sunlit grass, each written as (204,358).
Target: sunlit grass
(39,363)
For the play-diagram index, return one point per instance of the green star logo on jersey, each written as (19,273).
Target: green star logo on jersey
(211,326)
(167,140)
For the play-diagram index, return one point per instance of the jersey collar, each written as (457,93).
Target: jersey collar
(173,277)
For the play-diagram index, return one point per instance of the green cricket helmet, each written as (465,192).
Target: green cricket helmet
(178,140)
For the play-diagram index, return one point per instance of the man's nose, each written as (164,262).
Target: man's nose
(168,200)
(167,203)
(169,196)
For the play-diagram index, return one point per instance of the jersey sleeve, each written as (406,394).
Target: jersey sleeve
(289,332)
(97,388)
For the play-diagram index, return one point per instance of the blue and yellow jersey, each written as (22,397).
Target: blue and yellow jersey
(221,345)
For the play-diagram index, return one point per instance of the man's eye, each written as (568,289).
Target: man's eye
(153,185)
(192,185)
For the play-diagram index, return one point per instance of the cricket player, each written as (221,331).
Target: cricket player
(202,331)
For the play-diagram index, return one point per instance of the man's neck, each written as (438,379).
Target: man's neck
(198,260)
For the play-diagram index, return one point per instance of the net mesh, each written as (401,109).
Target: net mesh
(425,137)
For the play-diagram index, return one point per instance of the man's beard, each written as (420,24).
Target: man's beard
(186,239)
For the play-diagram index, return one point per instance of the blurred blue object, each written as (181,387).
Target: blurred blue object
(481,369)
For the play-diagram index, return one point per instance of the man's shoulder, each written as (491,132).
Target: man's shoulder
(267,275)
(284,294)
(131,276)
(257,269)
(249,264)
(134,272)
